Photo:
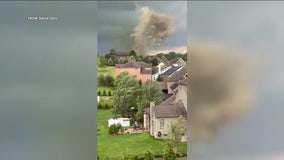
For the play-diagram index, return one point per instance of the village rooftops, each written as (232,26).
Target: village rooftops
(179,75)
(171,70)
(169,110)
(122,54)
(134,65)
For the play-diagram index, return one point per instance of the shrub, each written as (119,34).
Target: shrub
(109,93)
(149,156)
(104,93)
(99,93)
(100,106)
(106,106)
(169,152)
(134,158)
(101,80)
(109,81)
(125,157)
(114,129)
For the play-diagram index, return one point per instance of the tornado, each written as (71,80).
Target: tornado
(152,29)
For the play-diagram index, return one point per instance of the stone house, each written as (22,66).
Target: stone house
(158,118)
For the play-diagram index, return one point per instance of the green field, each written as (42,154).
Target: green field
(114,147)
(107,70)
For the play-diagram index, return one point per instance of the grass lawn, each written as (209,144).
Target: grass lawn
(106,99)
(129,144)
(107,70)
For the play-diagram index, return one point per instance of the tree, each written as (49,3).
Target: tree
(99,93)
(109,81)
(159,79)
(125,94)
(133,53)
(140,58)
(104,93)
(119,78)
(101,80)
(168,152)
(155,62)
(109,93)
(176,130)
(112,52)
(131,59)
(150,91)
(102,61)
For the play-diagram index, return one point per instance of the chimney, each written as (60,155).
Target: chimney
(152,104)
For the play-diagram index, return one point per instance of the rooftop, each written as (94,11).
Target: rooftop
(134,65)
(170,110)
(122,54)
(171,70)
(179,75)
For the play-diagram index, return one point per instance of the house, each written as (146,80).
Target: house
(141,70)
(158,118)
(176,62)
(171,77)
(160,69)
(175,78)
(122,55)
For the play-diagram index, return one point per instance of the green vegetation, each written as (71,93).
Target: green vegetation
(108,70)
(115,146)
(169,152)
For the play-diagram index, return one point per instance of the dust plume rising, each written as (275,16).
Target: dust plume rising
(221,89)
(151,30)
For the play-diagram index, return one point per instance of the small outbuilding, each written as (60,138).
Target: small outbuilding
(125,122)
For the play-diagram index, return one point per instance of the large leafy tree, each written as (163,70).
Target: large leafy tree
(125,94)
(149,91)
(102,61)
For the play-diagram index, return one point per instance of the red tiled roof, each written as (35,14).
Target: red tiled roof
(122,54)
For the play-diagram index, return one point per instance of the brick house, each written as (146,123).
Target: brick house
(141,70)
(122,55)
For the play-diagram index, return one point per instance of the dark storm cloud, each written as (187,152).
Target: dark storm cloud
(118,19)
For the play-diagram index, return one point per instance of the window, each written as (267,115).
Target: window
(162,123)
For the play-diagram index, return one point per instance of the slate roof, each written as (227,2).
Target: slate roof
(174,86)
(179,75)
(155,70)
(170,110)
(171,70)
(146,71)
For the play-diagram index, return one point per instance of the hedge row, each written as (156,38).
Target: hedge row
(104,93)
(104,106)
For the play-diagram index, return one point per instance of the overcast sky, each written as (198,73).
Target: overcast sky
(117,21)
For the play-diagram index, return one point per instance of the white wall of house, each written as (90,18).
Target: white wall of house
(182,95)
(161,71)
(163,125)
